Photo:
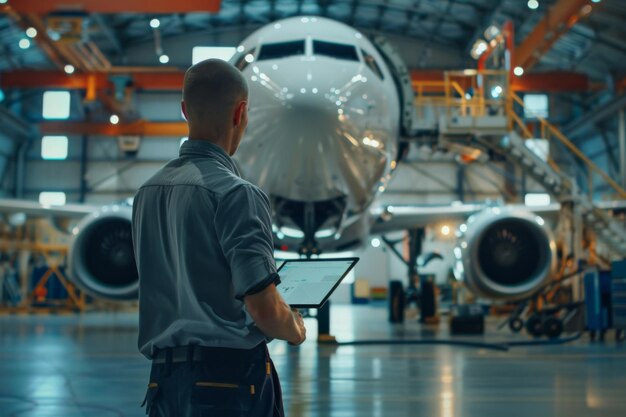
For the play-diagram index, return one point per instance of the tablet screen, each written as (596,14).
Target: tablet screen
(308,283)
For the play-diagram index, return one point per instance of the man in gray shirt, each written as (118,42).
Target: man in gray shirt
(207,278)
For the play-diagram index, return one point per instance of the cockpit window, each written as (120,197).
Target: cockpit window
(370,61)
(281,50)
(335,50)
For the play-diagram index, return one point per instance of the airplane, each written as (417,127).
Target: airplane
(322,142)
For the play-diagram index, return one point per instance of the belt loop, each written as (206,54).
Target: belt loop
(168,362)
(190,354)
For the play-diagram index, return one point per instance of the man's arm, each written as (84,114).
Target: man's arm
(243,225)
(274,317)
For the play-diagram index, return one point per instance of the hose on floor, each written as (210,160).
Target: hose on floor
(504,346)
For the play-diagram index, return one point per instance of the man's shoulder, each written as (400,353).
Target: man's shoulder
(184,172)
(240,186)
(205,174)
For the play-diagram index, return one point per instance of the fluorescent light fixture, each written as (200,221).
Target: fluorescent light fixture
(69,69)
(114,119)
(519,71)
(155,23)
(54,147)
(533,4)
(200,53)
(536,105)
(56,105)
(52,198)
(537,199)
(24,43)
(164,59)
(31,32)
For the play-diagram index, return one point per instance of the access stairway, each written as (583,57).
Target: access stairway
(458,107)
(607,229)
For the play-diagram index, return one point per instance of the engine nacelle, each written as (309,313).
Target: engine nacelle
(506,253)
(102,261)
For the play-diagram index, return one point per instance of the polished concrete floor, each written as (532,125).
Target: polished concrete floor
(87,365)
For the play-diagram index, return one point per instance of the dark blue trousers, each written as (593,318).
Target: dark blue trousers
(219,382)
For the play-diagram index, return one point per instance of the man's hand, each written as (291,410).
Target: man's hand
(297,316)
(274,317)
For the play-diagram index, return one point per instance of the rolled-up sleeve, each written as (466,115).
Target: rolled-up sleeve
(244,229)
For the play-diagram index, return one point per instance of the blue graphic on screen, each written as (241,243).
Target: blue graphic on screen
(307,283)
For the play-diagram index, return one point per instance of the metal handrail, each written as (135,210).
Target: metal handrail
(547,127)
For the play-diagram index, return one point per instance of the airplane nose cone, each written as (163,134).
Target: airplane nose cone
(298,136)
(301,144)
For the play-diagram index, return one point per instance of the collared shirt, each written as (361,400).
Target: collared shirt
(203,240)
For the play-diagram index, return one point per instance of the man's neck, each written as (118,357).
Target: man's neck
(222,143)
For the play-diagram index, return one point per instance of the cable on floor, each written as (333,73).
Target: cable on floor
(503,346)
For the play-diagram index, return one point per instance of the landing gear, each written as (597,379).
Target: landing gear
(396,302)
(516,324)
(534,325)
(420,292)
(552,327)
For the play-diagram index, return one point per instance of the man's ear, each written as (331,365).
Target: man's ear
(183,108)
(239,112)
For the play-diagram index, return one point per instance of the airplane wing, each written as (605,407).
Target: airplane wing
(392,218)
(34,209)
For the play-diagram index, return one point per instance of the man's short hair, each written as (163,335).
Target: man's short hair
(211,89)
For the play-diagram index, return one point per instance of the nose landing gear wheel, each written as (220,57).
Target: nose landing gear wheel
(534,325)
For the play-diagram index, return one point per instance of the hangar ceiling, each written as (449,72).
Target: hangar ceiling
(594,45)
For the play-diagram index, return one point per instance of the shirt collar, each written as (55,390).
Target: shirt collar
(205,148)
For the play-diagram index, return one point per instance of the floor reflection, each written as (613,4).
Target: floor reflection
(89,366)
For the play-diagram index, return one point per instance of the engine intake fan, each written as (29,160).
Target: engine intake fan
(507,253)
(102,261)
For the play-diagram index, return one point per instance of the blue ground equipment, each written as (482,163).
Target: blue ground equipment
(618,297)
(597,301)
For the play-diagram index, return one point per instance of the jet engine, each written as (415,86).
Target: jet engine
(102,261)
(506,253)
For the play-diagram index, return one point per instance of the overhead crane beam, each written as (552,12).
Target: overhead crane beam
(136,128)
(146,78)
(112,6)
(556,22)
(142,78)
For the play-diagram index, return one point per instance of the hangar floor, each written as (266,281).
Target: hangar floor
(88,366)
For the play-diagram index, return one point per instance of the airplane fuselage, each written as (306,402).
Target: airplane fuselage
(323,127)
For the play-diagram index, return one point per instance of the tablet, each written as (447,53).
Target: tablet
(307,283)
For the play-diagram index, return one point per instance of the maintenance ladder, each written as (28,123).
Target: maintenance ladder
(464,104)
